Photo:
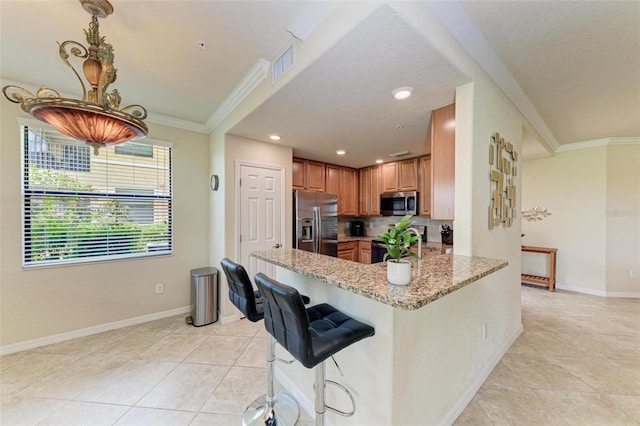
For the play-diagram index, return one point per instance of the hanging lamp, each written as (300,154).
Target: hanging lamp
(97,119)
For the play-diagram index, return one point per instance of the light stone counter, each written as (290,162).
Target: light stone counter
(431,278)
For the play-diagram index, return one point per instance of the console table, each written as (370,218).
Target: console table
(548,281)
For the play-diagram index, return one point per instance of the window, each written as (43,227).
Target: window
(80,207)
(55,156)
(136,149)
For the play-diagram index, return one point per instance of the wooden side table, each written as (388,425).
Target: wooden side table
(548,281)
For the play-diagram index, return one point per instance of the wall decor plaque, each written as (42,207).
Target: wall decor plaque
(502,159)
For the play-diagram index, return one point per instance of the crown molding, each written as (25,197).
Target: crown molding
(599,142)
(176,122)
(456,20)
(258,73)
(633,140)
(303,25)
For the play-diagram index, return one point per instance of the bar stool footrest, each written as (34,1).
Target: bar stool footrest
(345,390)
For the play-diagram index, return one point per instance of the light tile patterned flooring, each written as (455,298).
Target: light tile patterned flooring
(577,363)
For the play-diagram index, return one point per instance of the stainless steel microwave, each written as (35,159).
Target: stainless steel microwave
(399,203)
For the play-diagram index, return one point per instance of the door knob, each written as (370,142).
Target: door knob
(276,245)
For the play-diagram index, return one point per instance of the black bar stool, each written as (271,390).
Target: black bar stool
(241,293)
(311,335)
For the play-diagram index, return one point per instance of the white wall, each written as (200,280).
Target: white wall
(623,219)
(492,113)
(593,195)
(247,150)
(42,302)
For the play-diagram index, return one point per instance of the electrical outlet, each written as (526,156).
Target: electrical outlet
(633,273)
(159,288)
(484,331)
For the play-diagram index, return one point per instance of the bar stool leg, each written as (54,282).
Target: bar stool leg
(285,408)
(319,373)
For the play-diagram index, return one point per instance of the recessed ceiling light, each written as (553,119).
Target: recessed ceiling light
(274,137)
(379,161)
(341,152)
(402,93)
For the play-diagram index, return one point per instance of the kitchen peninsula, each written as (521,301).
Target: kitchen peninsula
(429,354)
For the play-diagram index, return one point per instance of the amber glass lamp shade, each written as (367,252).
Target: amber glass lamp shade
(87,122)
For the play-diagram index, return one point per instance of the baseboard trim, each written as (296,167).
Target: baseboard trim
(57,338)
(623,294)
(229,318)
(601,293)
(476,384)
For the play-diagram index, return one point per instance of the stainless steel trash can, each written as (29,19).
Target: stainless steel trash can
(204,296)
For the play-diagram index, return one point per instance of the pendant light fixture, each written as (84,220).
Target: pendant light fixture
(97,119)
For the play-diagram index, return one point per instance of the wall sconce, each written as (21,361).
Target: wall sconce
(214,183)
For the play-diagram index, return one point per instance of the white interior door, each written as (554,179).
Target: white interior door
(261,214)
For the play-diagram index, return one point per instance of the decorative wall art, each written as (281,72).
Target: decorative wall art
(502,159)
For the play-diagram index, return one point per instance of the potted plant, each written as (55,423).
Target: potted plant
(399,239)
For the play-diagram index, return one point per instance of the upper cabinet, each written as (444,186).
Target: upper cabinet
(424,186)
(400,176)
(307,174)
(370,184)
(343,181)
(443,138)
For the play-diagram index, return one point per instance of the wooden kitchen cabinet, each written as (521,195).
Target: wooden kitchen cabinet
(400,176)
(332,180)
(348,192)
(369,191)
(364,252)
(443,138)
(390,177)
(424,186)
(307,174)
(408,175)
(348,250)
(343,182)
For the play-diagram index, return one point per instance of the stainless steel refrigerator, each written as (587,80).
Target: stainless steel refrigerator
(315,227)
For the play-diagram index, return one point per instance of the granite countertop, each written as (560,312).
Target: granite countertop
(432,277)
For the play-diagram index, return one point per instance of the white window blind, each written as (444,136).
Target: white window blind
(80,207)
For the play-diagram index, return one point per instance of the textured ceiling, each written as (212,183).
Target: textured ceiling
(578,62)
(344,99)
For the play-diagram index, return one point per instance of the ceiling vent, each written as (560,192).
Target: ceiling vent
(282,64)
(400,154)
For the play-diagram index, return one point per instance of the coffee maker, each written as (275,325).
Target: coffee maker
(357,228)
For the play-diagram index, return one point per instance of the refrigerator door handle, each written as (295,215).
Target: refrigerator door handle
(316,230)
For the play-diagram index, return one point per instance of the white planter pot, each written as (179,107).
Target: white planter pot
(399,273)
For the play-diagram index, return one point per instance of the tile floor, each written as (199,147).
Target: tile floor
(577,363)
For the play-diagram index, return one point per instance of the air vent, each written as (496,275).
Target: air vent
(282,64)
(400,154)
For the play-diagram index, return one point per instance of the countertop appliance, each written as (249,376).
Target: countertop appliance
(357,228)
(447,234)
(315,216)
(399,203)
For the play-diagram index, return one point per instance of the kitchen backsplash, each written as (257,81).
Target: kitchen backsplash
(378,225)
